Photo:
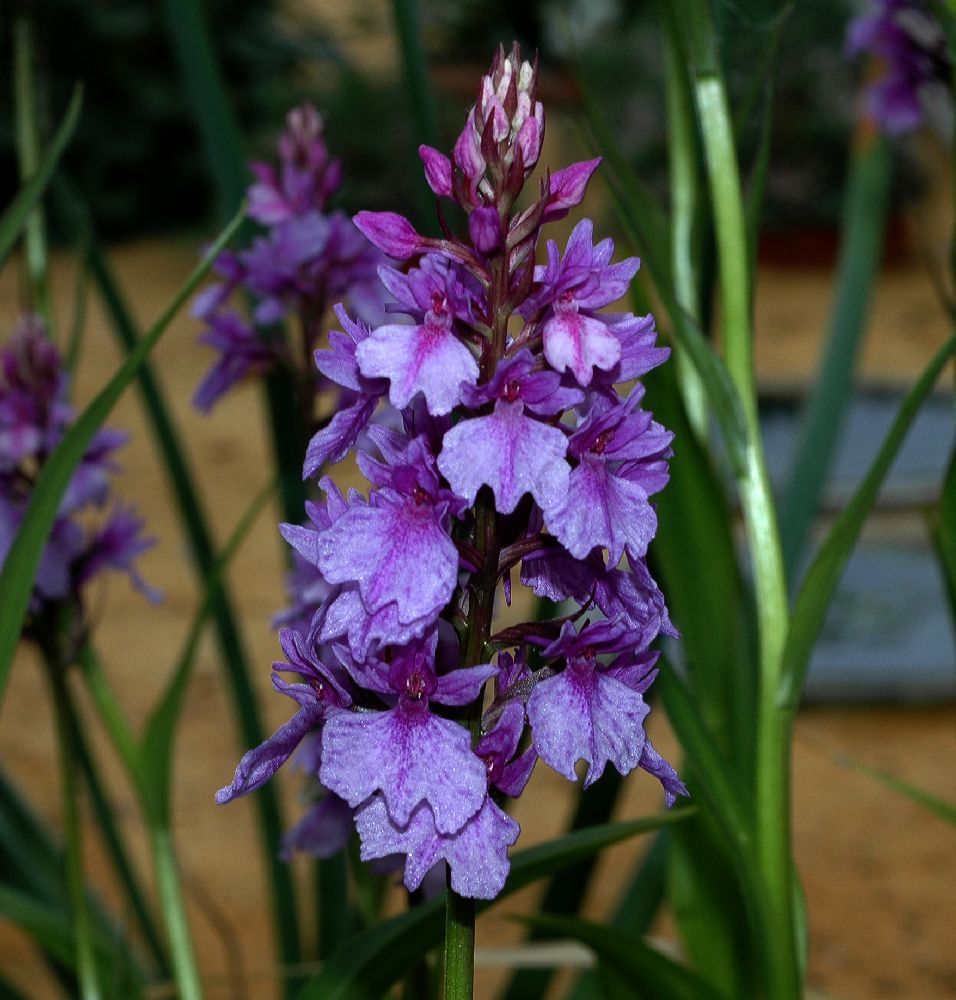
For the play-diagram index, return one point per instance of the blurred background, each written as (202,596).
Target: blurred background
(879,873)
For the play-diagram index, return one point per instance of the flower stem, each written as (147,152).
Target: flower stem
(73,832)
(174,911)
(28,153)
(459,967)
(459,947)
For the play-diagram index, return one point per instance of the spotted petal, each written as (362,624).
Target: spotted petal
(602,510)
(428,358)
(581,343)
(410,756)
(396,552)
(582,714)
(512,453)
(477,854)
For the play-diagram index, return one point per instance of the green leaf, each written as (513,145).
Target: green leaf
(207,97)
(824,573)
(31,863)
(116,849)
(29,858)
(864,212)
(945,810)
(51,928)
(14,218)
(49,925)
(710,609)
(706,902)
(653,976)
(611,984)
(19,570)
(719,785)
(156,753)
(373,960)
(9,992)
(407,16)
(645,226)
(942,530)
(636,910)
(234,658)
(565,892)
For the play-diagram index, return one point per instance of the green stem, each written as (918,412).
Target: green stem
(459,968)
(174,910)
(73,832)
(459,947)
(164,863)
(28,152)
(772,756)
(118,853)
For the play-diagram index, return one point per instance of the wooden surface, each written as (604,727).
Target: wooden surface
(879,872)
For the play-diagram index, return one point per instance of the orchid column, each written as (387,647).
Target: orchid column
(490,427)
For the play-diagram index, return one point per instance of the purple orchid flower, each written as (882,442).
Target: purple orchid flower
(34,416)
(591,711)
(906,38)
(306,257)
(491,428)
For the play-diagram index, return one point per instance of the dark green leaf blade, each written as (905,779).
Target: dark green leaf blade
(369,963)
(653,976)
(155,758)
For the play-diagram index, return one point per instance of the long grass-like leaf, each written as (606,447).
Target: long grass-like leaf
(940,807)
(942,530)
(9,992)
(51,927)
(31,863)
(565,892)
(371,962)
(215,118)
(156,753)
(17,212)
(637,907)
(705,899)
(19,569)
(116,848)
(208,99)
(26,121)
(718,783)
(408,28)
(235,660)
(652,975)
(824,573)
(643,222)
(864,212)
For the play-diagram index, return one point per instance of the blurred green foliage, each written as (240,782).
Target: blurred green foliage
(136,154)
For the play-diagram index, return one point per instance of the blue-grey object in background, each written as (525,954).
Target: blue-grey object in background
(888,634)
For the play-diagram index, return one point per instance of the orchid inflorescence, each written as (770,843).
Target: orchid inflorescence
(496,440)
(35,413)
(307,256)
(906,38)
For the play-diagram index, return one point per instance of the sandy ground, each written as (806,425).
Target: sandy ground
(879,872)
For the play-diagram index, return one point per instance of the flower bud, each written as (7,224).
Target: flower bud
(393,234)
